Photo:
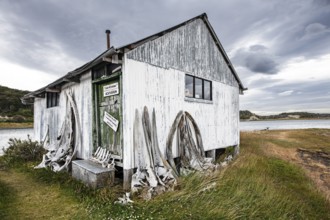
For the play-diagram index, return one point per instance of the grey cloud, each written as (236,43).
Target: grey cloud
(77,27)
(258,48)
(280,31)
(263,82)
(314,96)
(256,59)
(260,63)
(303,32)
(315,30)
(322,2)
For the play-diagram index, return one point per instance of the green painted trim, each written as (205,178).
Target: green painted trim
(111,77)
(96,135)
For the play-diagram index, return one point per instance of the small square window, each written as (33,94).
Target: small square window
(52,99)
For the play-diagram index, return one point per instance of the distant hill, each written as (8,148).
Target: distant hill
(11,108)
(247,115)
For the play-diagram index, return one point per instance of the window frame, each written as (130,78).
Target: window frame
(203,88)
(52,99)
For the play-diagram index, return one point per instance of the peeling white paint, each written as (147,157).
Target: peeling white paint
(153,75)
(43,116)
(163,89)
(190,48)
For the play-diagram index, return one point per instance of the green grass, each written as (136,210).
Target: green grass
(7,197)
(255,186)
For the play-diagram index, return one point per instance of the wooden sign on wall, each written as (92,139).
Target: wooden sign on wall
(110,121)
(111,89)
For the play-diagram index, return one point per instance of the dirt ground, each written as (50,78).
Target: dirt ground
(315,162)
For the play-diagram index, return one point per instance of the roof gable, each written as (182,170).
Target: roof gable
(224,61)
(103,57)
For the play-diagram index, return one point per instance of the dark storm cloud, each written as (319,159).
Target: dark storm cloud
(256,59)
(77,27)
(41,29)
(288,30)
(261,37)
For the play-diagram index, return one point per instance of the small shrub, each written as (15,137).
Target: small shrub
(18,118)
(23,151)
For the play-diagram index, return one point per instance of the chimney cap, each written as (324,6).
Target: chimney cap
(107,31)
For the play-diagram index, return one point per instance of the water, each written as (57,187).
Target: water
(21,133)
(5,134)
(283,124)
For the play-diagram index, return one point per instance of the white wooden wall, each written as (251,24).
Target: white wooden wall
(190,48)
(164,90)
(54,117)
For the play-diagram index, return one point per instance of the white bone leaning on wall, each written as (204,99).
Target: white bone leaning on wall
(155,174)
(60,154)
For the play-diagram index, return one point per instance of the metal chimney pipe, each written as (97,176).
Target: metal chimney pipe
(108,38)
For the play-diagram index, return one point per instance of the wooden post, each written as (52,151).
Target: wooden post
(127,179)
(236,150)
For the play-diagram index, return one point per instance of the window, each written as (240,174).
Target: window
(198,88)
(101,71)
(52,99)
(189,86)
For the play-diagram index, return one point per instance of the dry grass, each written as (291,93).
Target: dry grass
(265,182)
(5,125)
(313,140)
(32,200)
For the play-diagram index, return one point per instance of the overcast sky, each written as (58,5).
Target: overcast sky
(280,49)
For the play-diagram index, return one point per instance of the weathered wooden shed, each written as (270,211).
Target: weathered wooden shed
(182,68)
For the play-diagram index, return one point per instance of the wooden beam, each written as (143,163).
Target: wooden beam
(105,59)
(116,69)
(112,60)
(52,90)
(72,79)
(40,95)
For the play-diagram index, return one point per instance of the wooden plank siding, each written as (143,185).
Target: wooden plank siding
(54,116)
(164,90)
(190,48)
(154,76)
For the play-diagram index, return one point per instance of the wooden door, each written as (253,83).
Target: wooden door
(109,116)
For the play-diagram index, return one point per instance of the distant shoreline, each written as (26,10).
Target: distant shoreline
(285,119)
(13,125)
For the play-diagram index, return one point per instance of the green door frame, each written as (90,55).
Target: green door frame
(96,134)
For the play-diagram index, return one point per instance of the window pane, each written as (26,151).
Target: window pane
(198,88)
(207,90)
(49,101)
(189,91)
(56,99)
(53,99)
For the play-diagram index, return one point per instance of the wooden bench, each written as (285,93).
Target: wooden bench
(93,174)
